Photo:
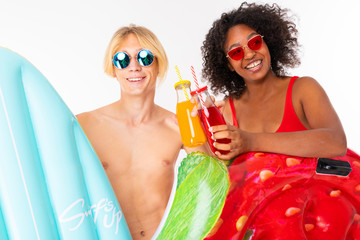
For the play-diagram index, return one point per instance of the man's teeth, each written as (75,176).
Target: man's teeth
(134,79)
(253,64)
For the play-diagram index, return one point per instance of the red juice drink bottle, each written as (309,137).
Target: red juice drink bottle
(210,116)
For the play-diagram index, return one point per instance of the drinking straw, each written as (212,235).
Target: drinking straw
(183,87)
(197,87)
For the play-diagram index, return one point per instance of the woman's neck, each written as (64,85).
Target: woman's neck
(261,88)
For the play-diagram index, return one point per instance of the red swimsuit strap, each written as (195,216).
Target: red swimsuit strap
(233,113)
(290,121)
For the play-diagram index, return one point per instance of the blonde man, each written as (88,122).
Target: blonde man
(136,140)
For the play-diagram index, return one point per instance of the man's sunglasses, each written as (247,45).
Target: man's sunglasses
(145,58)
(253,44)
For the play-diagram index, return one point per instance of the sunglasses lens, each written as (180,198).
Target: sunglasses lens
(145,57)
(236,53)
(121,60)
(255,43)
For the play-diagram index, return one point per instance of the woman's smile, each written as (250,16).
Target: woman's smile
(254,65)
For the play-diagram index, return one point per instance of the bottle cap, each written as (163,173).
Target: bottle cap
(198,90)
(182,82)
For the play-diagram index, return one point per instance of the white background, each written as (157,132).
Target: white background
(66,41)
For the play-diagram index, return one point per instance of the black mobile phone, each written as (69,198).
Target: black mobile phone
(333,167)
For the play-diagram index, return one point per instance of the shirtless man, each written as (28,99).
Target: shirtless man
(137,141)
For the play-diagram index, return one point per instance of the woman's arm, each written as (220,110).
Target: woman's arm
(325,137)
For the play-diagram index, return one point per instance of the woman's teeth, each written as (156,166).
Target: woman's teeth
(253,64)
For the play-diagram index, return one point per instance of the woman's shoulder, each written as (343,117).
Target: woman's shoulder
(307,88)
(306,83)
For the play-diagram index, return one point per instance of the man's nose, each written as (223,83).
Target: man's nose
(134,65)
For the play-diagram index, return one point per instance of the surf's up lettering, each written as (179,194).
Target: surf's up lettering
(105,205)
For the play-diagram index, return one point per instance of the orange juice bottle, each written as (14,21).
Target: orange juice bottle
(191,131)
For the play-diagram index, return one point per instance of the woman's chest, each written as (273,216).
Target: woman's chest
(258,116)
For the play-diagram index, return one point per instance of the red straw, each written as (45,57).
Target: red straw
(197,86)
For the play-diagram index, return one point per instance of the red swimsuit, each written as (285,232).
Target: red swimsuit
(266,186)
(290,122)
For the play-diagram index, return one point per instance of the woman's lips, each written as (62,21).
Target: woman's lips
(254,65)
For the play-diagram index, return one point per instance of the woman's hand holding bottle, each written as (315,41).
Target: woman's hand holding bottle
(239,141)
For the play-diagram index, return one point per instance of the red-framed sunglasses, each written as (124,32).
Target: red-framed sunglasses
(253,44)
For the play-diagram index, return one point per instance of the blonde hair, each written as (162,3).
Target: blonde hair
(147,40)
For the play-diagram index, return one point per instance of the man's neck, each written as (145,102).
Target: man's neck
(136,109)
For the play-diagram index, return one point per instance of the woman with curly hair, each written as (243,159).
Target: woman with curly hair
(245,55)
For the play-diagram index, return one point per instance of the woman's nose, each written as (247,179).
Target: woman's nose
(248,53)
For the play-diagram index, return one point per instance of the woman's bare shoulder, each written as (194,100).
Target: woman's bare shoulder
(307,87)
(306,82)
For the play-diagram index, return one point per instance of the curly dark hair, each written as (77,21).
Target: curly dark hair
(272,22)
